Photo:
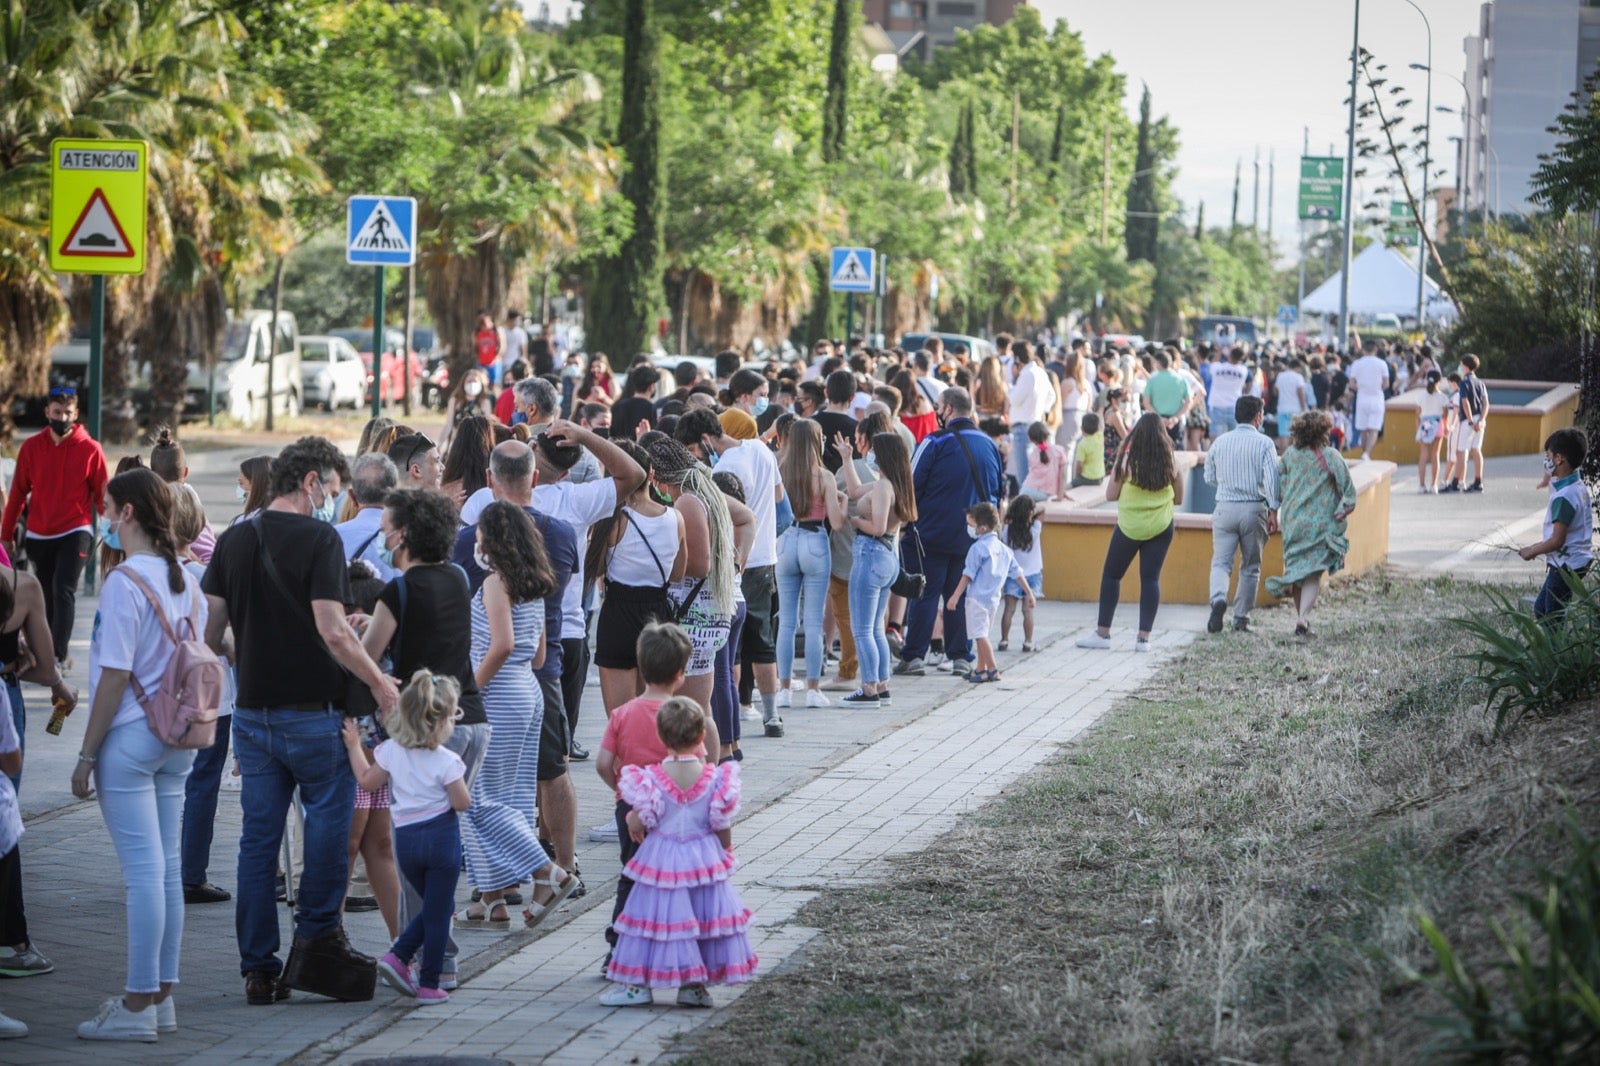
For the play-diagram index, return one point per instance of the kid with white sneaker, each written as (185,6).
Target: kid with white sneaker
(428,789)
(682,811)
(989,564)
(1023,536)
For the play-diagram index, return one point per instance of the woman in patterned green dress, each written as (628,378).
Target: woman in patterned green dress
(1318,497)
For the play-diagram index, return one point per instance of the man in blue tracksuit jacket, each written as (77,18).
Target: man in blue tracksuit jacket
(945,485)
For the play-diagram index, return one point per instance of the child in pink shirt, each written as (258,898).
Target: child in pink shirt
(1048,472)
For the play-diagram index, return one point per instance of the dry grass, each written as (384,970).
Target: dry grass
(1216,874)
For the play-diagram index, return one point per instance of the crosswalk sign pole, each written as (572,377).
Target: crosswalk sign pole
(377,342)
(97,330)
(849,319)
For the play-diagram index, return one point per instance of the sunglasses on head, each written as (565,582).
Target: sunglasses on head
(63,393)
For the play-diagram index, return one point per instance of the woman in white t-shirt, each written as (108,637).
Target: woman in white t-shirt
(1431,408)
(140,779)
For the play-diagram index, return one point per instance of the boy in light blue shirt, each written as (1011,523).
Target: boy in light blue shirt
(983,580)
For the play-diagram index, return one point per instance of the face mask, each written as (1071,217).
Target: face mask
(60,426)
(240,493)
(472,389)
(759,408)
(660,497)
(386,557)
(113,537)
(872,462)
(711,455)
(972,531)
(482,560)
(1549,467)
(327,512)
(603,432)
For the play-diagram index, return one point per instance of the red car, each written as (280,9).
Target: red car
(392,373)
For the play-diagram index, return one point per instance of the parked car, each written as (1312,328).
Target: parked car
(240,380)
(332,373)
(391,379)
(977,348)
(69,368)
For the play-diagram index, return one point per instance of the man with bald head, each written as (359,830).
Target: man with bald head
(511,478)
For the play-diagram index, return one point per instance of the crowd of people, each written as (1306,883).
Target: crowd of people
(409,630)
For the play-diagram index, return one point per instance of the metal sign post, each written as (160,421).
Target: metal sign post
(381,231)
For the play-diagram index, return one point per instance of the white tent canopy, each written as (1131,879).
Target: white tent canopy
(1382,281)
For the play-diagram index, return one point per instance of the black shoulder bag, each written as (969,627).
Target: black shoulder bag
(911,585)
(357,699)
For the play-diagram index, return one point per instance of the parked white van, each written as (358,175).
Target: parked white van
(241,375)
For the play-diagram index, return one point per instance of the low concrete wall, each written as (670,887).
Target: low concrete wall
(1513,429)
(1076,536)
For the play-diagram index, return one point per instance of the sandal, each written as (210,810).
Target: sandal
(559,890)
(465,919)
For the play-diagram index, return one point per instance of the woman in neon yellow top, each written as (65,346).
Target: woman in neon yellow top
(1147,487)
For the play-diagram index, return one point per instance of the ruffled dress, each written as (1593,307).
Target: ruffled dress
(684,923)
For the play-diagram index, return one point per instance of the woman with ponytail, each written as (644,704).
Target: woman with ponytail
(718,533)
(140,779)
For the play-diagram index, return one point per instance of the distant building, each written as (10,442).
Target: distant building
(917,27)
(1524,64)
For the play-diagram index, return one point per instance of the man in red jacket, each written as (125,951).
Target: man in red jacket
(61,480)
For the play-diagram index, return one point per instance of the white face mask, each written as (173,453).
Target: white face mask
(482,560)
(972,531)
(241,493)
(472,389)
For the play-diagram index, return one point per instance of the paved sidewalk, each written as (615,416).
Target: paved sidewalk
(824,806)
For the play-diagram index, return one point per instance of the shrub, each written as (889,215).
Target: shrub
(1536,666)
(1548,1006)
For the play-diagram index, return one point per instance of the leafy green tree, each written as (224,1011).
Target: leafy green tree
(1144,206)
(626,294)
(836,110)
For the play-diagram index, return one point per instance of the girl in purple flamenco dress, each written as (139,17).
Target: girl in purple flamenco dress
(684,925)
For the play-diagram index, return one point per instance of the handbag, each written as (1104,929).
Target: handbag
(910,584)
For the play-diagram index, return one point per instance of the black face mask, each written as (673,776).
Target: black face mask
(61,426)
(603,432)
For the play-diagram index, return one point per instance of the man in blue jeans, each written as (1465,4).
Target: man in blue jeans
(951,470)
(280,580)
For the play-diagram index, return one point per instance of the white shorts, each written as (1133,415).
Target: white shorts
(1369,413)
(979,620)
(1467,438)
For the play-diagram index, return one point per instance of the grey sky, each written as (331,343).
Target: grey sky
(1234,75)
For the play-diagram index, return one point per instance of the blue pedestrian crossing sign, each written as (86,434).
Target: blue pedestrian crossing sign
(382,231)
(1287,313)
(852,270)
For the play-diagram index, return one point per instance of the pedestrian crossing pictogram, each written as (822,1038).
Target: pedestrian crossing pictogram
(852,269)
(382,231)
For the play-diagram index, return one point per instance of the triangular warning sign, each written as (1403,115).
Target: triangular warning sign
(97,232)
(850,271)
(380,233)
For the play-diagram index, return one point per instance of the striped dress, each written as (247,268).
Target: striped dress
(497,831)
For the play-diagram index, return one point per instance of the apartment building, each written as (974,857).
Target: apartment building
(1522,67)
(917,27)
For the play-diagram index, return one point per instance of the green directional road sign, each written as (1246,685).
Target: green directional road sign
(1402,227)
(1321,187)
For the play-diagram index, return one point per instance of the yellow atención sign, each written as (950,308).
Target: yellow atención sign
(97,206)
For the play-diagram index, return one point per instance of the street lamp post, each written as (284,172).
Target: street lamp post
(1349,187)
(1427,161)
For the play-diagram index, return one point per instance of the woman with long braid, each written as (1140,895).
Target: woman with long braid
(718,533)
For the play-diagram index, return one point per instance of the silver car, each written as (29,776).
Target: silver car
(331,372)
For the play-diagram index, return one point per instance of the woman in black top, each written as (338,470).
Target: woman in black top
(423,621)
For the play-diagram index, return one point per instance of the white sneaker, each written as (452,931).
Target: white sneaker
(695,996)
(603,833)
(785,697)
(936,660)
(815,698)
(1093,640)
(167,1015)
(626,996)
(116,1022)
(1141,644)
(747,713)
(11,1029)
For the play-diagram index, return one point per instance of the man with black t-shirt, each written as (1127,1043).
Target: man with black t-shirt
(281,581)
(837,419)
(638,406)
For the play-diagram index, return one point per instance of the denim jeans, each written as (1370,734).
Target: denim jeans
(200,804)
(1019,451)
(279,750)
(944,574)
(805,562)
(1554,594)
(140,782)
(429,856)
(470,742)
(872,570)
(1222,420)
(19,718)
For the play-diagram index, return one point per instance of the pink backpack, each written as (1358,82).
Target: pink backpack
(183,711)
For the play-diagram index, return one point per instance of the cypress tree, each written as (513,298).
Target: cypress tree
(835,108)
(1233,222)
(1200,223)
(1058,142)
(626,294)
(962,182)
(1141,226)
